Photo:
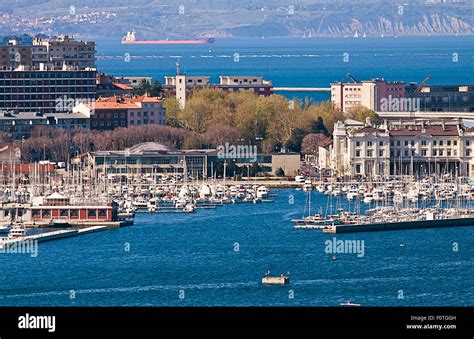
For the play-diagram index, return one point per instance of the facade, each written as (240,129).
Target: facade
(419,148)
(153,159)
(109,86)
(44,90)
(382,96)
(57,208)
(443,98)
(54,52)
(21,125)
(370,94)
(148,159)
(181,84)
(114,112)
(15,54)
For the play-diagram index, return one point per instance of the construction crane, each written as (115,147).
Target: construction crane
(419,88)
(350,76)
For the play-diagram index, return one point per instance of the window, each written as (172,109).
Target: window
(357,154)
(357,143)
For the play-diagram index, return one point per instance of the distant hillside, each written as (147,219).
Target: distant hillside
(230,18)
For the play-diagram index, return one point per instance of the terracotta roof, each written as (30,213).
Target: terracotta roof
(433,130)
(145,98)
(112,105)
(122,86)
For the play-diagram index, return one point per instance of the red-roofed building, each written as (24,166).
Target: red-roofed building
(113,112)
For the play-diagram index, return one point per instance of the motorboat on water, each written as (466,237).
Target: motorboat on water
(189,208)
(350,304)
(17,231)
(281,280)
(262,192)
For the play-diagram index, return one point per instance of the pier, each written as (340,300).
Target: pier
(396,226)
(301,89)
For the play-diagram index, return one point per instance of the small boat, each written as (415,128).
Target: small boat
(17,231)
(262,192)
(4,229)
(350,304)
(276,280)
(189,208)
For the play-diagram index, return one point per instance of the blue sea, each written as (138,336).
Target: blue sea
(298,62)
(217,257)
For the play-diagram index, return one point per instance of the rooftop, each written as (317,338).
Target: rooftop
(431,130)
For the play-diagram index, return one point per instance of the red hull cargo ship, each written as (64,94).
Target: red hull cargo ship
(130,39)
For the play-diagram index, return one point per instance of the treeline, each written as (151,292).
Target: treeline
(214,117)
(273,122)
(211,118)
(57,144)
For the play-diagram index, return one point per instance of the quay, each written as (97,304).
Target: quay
(64,233)
(310,227)
(405,225)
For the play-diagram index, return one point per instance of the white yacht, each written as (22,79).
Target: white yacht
(262,192)
(17,231)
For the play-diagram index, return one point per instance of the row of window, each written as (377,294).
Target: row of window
(146,122)
(69,213)
(34,82)
(145,114)
(407,153)
(109,123)
(46,74)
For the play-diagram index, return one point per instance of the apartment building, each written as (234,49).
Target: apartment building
(44,89)
(55,52)
(373,94)
(382,96)
(443,98)
(180,85)
(22,124)
(114,112)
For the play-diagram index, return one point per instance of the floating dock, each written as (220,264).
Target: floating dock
(404,225)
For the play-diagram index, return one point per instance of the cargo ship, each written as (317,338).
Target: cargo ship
(130,38)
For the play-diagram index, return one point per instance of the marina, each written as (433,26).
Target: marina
(168,254)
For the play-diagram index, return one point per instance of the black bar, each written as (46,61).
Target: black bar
(358,319)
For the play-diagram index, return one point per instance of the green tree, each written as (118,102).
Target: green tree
(361,113)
